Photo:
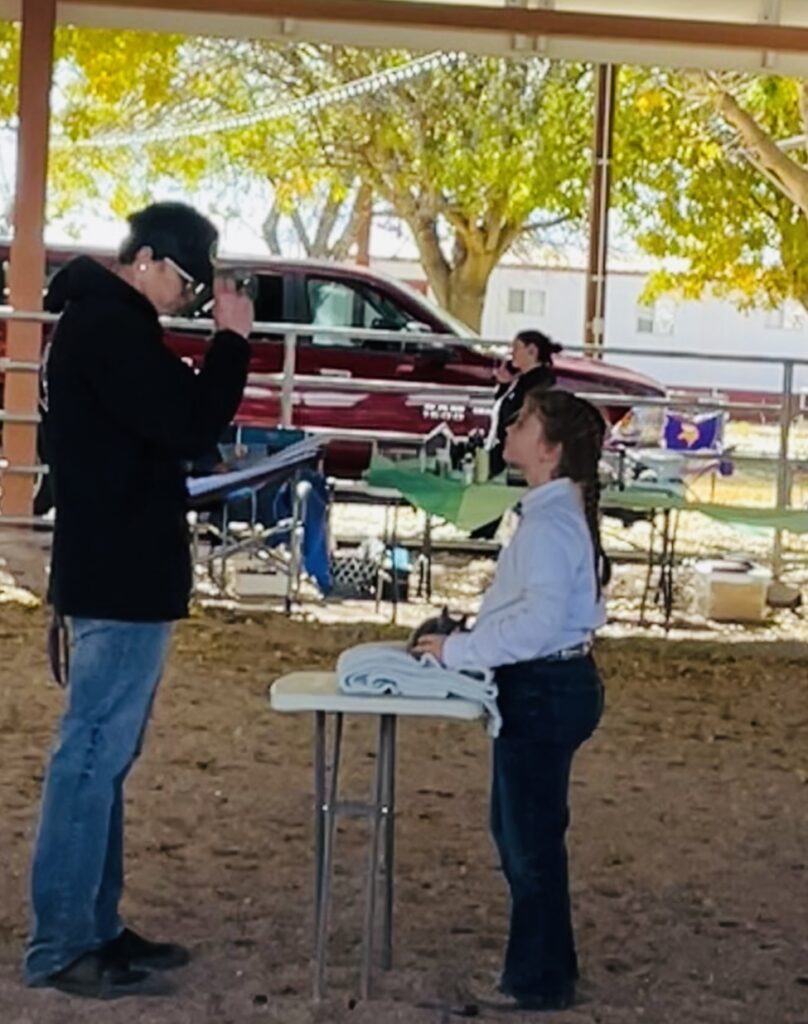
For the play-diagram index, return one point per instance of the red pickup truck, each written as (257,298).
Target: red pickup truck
(358,388)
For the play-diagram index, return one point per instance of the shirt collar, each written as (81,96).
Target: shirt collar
(562,491)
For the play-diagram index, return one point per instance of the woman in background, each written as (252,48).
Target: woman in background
(531,367)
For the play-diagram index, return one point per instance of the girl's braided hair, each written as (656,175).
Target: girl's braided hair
(580,429)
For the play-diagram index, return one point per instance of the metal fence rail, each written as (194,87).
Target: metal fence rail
(786,409)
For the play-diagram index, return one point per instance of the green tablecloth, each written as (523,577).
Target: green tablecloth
(468,506)
(639,499)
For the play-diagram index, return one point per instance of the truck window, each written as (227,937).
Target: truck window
(269,306)
(340,304)
(269,299)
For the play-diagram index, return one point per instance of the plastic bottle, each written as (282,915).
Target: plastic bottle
(482,467)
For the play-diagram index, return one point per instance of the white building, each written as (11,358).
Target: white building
(552,299)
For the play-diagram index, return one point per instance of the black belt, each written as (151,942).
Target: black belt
(580,650)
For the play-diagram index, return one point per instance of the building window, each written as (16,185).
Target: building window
(536,302)
(791,316)
(516,300)
(530,301)
(658,318)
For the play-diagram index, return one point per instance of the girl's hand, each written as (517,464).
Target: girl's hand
(431,644)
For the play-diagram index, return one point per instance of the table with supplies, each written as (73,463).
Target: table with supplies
(468,505)
(662,508)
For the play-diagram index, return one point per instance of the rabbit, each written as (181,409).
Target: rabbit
(442,625)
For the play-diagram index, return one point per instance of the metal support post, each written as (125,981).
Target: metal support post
(783,464)
(288,385)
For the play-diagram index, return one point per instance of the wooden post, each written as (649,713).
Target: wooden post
(595,321)
(27,269)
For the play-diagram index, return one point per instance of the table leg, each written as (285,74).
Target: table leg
(371,882)
(389,854)
(649,575)
(428,539)
(319,810)
(223,559)
(195,553)
(323,895)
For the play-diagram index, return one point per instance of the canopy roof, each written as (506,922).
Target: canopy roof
(749,35)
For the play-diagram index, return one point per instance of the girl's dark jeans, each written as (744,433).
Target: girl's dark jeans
(549,708)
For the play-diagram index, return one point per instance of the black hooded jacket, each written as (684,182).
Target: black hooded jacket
(123,414)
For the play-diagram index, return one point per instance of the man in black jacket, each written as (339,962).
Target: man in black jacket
(123,416)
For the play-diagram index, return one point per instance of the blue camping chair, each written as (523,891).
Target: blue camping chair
(275,507)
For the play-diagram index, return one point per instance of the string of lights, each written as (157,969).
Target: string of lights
(368,85)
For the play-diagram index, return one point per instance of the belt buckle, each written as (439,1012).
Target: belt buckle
(578,651)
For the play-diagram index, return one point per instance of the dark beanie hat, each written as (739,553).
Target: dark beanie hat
(177,231)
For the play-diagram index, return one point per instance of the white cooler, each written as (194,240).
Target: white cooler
(731,590)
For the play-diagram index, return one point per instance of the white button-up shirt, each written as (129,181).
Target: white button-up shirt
(543,597)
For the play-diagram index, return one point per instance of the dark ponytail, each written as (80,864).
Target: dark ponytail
(580,429)
(545,347)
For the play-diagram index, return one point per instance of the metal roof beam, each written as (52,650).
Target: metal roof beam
(514,20)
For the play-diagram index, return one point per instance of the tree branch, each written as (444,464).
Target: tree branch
(269,229)
(763,151)
(544,225)
(325,226)
(361,211)
(300,229)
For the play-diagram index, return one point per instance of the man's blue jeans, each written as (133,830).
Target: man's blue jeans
(77,872)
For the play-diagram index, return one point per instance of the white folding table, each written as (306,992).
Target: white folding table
(317,692)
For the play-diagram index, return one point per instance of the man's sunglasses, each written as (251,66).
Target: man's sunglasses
(190,286)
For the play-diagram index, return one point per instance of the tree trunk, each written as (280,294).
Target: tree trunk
(436,266)
(468,283)
(353,234)
(459,283)
(364,216)
(320,247)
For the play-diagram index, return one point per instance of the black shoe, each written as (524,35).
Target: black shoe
(539,1002)
(557,992)
(131,948)
(93,976)
(559,998)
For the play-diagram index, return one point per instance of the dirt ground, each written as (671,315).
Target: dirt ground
(689,839)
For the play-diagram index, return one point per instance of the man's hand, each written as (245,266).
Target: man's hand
(232,311)
(432,644)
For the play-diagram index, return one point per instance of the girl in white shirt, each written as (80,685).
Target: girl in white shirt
(535,628)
